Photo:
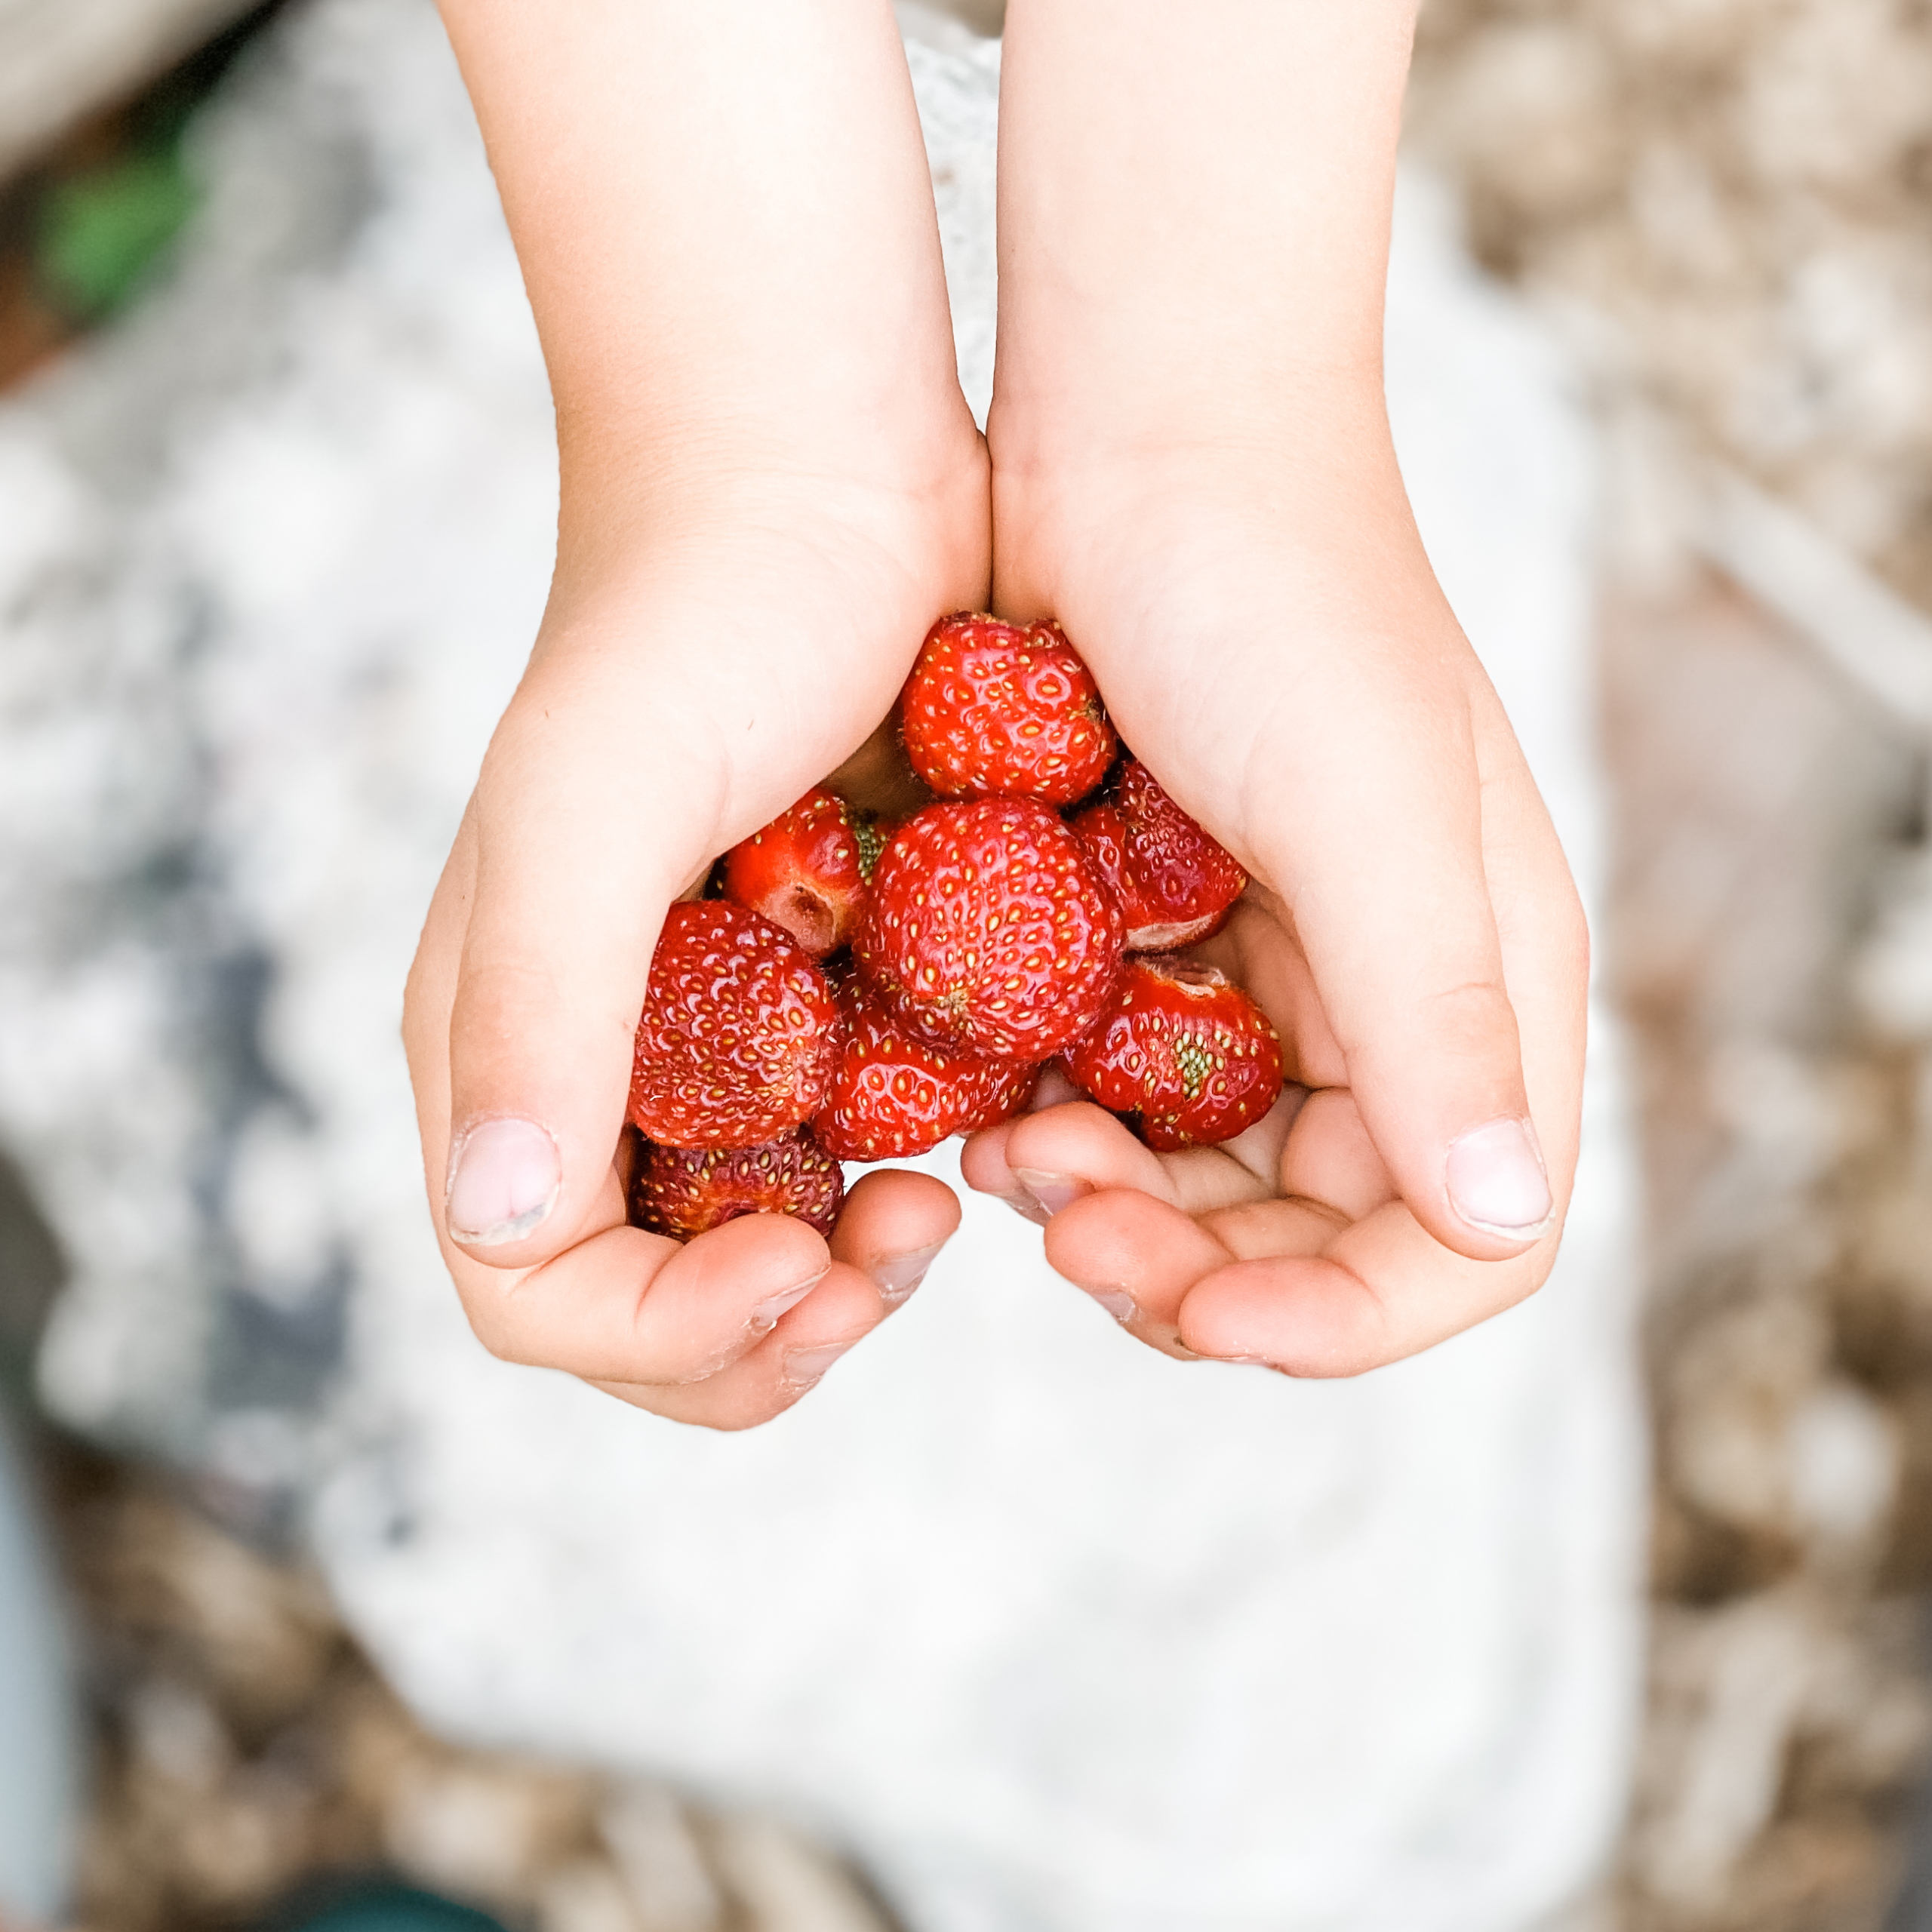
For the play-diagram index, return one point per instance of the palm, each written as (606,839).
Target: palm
(1288,1244)
(664,717)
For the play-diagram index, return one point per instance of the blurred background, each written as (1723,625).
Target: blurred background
(1722,211)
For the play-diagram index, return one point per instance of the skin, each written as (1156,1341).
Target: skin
(726,227)
(1192,470)
(770,483)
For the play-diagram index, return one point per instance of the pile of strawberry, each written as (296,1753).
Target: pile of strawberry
(852,989)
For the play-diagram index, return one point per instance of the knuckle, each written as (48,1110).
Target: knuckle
(497,1338)
(1473,1019)
(744,1404)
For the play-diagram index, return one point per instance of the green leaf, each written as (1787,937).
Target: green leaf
(103,233)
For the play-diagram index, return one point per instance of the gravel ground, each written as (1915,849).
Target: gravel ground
(246,1755)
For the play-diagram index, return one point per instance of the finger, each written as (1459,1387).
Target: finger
(1136,1256)
(1053,1089)
(624,763)
(1330,1159)
(1037,1163)
(782,1368)
(1381,1289)
(892,1227)
(581,837)
(624,1305)
(878,776)
(1257,1230)
(1043,1162)
(1257,951)
(1389,878)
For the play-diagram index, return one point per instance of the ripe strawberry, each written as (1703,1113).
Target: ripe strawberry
(740,1034)
(1007,709)
(1175,884)
(894,1096)
(1182,1046)
(987,930)
(807,870)
(996,1090)
(683,1190)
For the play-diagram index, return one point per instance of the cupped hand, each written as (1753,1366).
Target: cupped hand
(689,684)
(1271,642)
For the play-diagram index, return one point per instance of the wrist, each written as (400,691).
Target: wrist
(1237,422)
(909,502)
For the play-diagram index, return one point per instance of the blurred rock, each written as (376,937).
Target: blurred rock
(1844,1457)
(665,1872)
(1769,1700)
(1734,1682)
(480,1831)
(585,1895)
(787,1884)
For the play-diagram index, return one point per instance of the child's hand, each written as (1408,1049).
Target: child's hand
(770,483)
(1275,648)
(665,716)
(1191,469)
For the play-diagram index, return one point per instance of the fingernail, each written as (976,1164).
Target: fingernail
(1053,1191)
(898,1275)
(1026,1207)
(504,1177)
(766,1314)
(1496,1181)
(803,1367)
(1118,1303)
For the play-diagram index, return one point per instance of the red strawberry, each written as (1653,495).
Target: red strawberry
(807,870)
(1007,709)
(1175,884)
(996,1090)
(738,1038)
(895,1096)
(1185,1048)
(683,1190)
(987,930)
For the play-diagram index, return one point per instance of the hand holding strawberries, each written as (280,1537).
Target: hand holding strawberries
(987,937)
(1192,470)
(770,483)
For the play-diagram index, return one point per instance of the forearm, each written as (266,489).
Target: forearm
(725,225)
(1194,217)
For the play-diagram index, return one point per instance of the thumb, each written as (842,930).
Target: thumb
(580,837)
(1377,841)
